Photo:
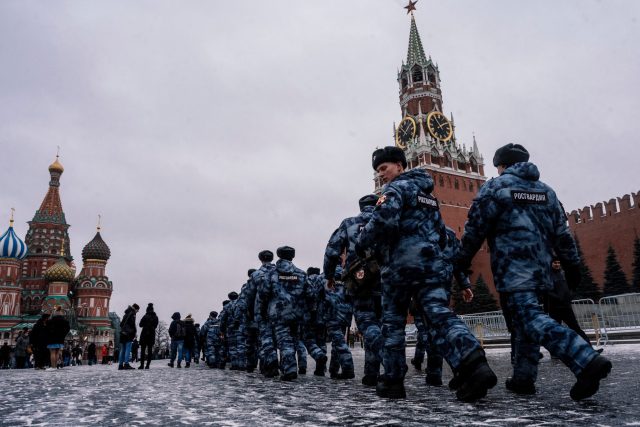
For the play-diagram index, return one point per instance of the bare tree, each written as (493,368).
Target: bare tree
(162,338)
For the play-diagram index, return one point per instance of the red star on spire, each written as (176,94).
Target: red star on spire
(411,6)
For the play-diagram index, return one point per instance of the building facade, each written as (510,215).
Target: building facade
(429,141)
(39,274)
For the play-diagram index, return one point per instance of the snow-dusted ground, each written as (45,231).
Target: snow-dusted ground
(102,395)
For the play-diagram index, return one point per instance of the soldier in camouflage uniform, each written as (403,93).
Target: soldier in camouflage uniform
(338,314)
(314,329)
(214,348)
(366,300)
(524,223)
(235,334)
(283,294)
(407,234)
(224,324)
(267,354)
(246,314)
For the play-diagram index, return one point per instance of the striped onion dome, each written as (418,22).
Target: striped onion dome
(11,246)
(60,272)
(96,249)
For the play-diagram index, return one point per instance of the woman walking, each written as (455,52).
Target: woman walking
(57,329)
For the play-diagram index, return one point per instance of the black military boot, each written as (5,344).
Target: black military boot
(390,388)
(520,386)
(289,377)
(433,379)
(333,375)
(455,382)
(321,366)
(346,375)
(271,371)
(589,379)
(477,377)
(417,365)
(370,380)
(302,371)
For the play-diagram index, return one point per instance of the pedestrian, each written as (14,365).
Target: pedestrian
(57,328)
(111,352)
(127,335)
(213,348)
(557,301)
(196,345)
(338,315)
(20,351)
(189,340)
(407,235)
(176,333)
(364,292)
(76,354)
(234,333)
(314,329)
(148,323)
(525,224)
(5,356)
(91,354)
(283,298)
(104,353)
(248,328)
(135,346)
(38,340)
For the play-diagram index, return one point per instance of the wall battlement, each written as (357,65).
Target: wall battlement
(618,207)
(614,223)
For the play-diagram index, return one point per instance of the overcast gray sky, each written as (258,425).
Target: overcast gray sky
(204,132)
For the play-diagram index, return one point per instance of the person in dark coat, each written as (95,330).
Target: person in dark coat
(38,341)
(20,352)
(190,337)
(5,354)
(127,334)
(56,330)
(91,354)
(148,323)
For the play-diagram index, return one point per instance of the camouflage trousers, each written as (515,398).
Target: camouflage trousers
(455,341)
(340,353)
(252,339)
(214,351)
(267,354)
(236,346)
(301,353)
(427,342)
(369,325)
(314,340)
(531,328)
(288,341)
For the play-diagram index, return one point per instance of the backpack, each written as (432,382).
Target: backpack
(180,330)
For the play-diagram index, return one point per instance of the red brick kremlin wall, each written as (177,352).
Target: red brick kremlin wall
(615,223)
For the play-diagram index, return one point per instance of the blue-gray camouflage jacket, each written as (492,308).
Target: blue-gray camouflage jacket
(523,222)
(246,303)
(407,233)
(285,293)
(260,278)
(315,295)
(338,311)
(345,237)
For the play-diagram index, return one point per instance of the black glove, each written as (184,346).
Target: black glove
(573,276)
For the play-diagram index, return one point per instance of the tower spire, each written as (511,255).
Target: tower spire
(415,52)
(11,220)
(99,220)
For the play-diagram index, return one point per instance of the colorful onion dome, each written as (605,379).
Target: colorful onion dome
(10,245)
(60,272)
(56,166)
(96,249)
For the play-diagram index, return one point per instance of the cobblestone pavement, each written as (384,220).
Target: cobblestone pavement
(102,395)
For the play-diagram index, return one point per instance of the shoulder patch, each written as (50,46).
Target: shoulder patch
(532,197)
(288,277)
(427,202)
(381,200)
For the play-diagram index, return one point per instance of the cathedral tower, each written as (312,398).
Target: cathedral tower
(46,239)
(12,251)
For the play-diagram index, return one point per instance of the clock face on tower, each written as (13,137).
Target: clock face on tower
(405,132)
(439,127)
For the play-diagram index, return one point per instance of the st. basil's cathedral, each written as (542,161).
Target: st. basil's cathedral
(38,274)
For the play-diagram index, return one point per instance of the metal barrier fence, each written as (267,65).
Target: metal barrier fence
(615,314)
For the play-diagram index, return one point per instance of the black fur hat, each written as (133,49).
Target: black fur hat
(233,295)
(368,200)
(510,154)
(286,252)
(313,270)
(149,307)
(388,154)
(251,271)
(265,256)
(213,314)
